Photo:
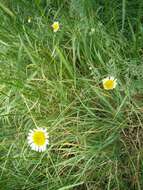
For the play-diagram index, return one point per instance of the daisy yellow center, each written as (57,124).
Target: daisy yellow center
(109,84)
(39,138)
(55,26)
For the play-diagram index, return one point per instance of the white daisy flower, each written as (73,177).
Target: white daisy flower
(38,139)
(55,26)
(109,83)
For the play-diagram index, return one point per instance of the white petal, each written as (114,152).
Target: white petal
(104,80)
(29,137)
(43,148)
(112,78)
(45,130)
(47,142)
(33,147)
(37,148)
(115,83)
(46,135)
(30,141)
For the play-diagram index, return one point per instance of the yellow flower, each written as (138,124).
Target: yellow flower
(38,139)
(55,26)
(109,83)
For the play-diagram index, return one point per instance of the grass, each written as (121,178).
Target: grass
(53,80)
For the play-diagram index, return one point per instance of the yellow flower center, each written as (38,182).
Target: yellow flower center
(55,26)
(109,84)
(39,138)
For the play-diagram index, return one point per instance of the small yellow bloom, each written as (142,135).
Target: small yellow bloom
(38,139)
(109,83)
(55,26)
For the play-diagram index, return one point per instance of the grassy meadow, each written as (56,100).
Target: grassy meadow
(53,80)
